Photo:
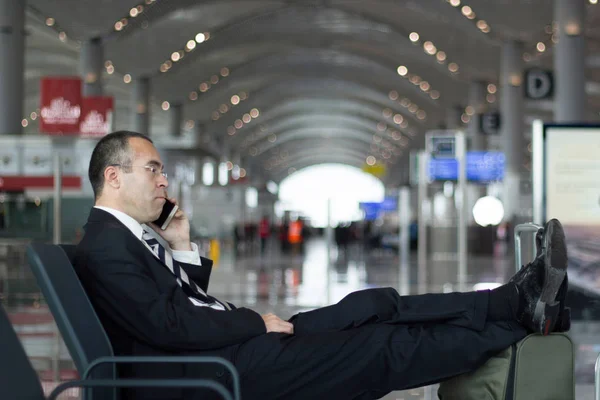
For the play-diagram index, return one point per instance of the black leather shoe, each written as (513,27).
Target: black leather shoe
(539,284)
(539,252)
(563,323)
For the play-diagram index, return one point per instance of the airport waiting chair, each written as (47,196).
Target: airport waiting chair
(80,327)
(18,379)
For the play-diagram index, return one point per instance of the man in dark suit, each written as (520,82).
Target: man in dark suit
(149,288)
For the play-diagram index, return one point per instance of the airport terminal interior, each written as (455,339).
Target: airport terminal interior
(317,147)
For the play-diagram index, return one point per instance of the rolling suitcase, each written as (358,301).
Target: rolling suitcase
(536,368)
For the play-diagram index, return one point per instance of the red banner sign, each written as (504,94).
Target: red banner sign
(96,116)
(60,105)
(20,183)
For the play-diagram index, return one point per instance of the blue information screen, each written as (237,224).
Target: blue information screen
(482,166)
(374,210)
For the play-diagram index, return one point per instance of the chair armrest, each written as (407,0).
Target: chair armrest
(138,383)
(169,359)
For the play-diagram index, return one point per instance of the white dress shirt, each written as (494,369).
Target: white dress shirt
(188,257)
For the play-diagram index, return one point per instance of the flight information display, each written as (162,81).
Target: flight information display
(482,166)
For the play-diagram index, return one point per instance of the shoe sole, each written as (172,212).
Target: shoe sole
(555,269)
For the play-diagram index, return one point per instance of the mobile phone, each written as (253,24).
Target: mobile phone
(168,211)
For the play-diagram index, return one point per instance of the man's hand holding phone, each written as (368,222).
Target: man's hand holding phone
(176,231)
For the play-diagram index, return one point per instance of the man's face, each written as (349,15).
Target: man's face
(143,192)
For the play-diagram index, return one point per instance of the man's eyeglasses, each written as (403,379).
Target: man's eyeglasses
(157,172)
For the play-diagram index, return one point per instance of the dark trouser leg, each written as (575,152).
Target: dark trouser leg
(365,362)
(387,306)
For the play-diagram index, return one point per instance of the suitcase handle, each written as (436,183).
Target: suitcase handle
(528,227)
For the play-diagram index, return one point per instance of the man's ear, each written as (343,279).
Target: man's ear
(112,177)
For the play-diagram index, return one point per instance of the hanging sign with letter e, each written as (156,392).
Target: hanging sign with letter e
(60,105)
(96,116)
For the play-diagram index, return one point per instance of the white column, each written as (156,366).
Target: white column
(140,107)
(569,61)
(92,66)
(12,65)
(512,126)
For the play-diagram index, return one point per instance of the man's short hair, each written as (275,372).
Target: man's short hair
(111,149)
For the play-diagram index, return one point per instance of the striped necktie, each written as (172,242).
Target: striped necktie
(189,287)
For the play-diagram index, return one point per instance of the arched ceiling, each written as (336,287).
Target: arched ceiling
(319,77)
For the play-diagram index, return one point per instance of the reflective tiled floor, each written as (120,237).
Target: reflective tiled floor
(285,285)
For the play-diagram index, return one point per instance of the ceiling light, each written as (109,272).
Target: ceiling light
(246,118)
(441,56)
(203,87)
(215,115)
(110,70)
(371,160)
(402,70)
(254,113)
(491,88)
(231,130)
(50,21)
(466,10)
(235,99)
(481,24)
(434,94)
(238,124)
(62,37)
(453,67)
(224,72)
(593,1)
(127,78)
(471,16)
(541,47)
(24,123)
(193,96)
(190,45)
(414,37)
(387,113)
(133,12)
(424,86)
(118,26)
(165,105)
(429,48)
(470,110)
(200,38)
(398,119)
(33,116)
(490,98)
(572,28)
(214,79)
(175,56)
(455,3)
(381,127)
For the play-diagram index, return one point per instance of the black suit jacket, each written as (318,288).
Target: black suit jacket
(146,312)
